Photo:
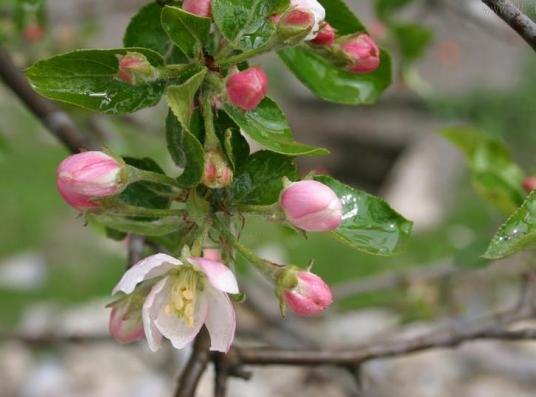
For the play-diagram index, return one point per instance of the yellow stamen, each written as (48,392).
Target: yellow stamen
(183,295)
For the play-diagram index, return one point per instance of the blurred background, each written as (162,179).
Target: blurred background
(456,64)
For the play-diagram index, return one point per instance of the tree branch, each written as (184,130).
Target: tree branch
(518,21)
(195,367)
(55,120)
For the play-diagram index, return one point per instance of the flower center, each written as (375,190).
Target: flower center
(187,282)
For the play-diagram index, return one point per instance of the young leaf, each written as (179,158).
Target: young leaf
(180,98)
(268,126)
(246,23)
(260,180)
(333,83)
(186,151)
(518,232)
(495,176)
(88,78)
(145,30)
(235,145)
(189,32)
(369,224)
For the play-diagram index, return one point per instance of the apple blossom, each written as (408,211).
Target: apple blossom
(125,319)
(134,68)
(200,8)
(217,173)
(326,36)
(85,176)
(184,296)
(363,53)
(246,89)
(311,206)
(295,25)
(309,296)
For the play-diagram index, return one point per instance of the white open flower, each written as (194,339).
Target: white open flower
(318,11)
(184,297)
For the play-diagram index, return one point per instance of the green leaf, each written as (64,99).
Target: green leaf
(246,23)
(495,176)
(518,232)
(186,151)
(145,30)
(369,224)
(332,83)
(341,18)
(189,32)
(268,126)
(145,194)
(157,227)
(88,78)
(260,180)
(413,40)
(180,98)
(235,145)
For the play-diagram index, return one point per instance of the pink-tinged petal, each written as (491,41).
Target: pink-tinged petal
(176,329)
(155,301)
(150,267)
(125,327)
(219,275)
(213,254)
(221,320)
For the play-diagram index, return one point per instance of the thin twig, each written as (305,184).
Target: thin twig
(189,378)
(518,21)
(55,120)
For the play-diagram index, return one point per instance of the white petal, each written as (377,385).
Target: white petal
(176,329)
(219,275)
(152,266)
(221,320)
(157,298)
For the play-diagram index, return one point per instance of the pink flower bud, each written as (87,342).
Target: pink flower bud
(316,10)
(326,36)
(86,176)
(200,8)
(298,17)
(134,68)
(214,254)
(217,173)
(311,206)
(34,32)
(363,52)
(529,183)
(248,88)
(125,322)
(310,296)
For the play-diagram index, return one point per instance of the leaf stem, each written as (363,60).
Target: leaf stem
(135,175)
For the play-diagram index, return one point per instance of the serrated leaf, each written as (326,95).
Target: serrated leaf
(260,180)
(235,145)
(331,82)
(369,224)
(494,174)
(88,78)
(145,30)
(189,32)
(518,232)
(186,151)
(246,23)
(268,126)
(180,98)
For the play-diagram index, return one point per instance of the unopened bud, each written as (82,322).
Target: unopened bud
(529,183)
(86,176)
(304,292)
(34,32)
(126,324)
(363,54)
(326,36)
(134,68)
(316,9)
(217,173)
(200,8)
(246,89)
(311,206)
(295,25)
